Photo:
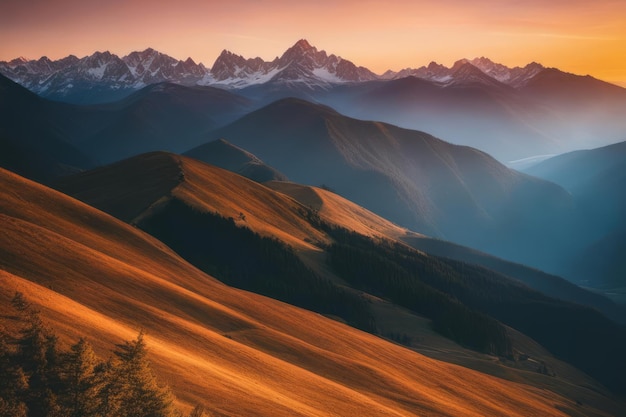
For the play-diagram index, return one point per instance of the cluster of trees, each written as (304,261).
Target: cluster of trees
(38,379)
(244,259)
(467,303)
(374,271)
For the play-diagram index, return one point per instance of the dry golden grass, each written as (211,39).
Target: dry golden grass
(337,210)
(268,213)
(236,352)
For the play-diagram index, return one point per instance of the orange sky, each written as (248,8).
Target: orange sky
(574,35)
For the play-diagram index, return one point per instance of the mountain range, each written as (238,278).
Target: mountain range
(511,113)
(418,181)
(80,80)
(301,63)
(301,236)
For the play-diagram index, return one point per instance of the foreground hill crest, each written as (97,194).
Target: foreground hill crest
(93,275)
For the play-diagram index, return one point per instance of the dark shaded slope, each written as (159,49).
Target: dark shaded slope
(122,190)
(162,116)
(228,156)
(602,265)
(579,335)
(548,284)
(332,206)
(596,180)
(30,142)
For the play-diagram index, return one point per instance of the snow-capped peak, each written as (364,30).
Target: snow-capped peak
(302,64)
(515,77)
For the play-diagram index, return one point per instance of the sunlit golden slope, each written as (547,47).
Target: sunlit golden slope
(133,188)
(236,352)
(339,211)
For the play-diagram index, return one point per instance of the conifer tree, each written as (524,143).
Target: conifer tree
(139,393)
(13,383)
(82,384)
(39,380)
(107,397)
(37,355)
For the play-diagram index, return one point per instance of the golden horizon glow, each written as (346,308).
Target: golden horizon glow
(573,35)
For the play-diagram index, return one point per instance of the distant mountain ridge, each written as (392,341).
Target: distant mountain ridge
(515,77)
(414,179)
(595,178)
(113,77)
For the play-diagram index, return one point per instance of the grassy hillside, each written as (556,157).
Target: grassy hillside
(236,352)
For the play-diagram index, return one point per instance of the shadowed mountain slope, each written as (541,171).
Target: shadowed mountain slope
(30,142)
(596,179)
(162,116)
(236,352)
(409,177)
(228,156)
(332,206)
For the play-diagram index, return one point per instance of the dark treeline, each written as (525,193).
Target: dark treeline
(38,379)
(459,296)
(372,271)
(244,259)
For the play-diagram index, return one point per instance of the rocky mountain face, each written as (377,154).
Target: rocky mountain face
(112,77)
(300,63)
(465,70)
(510,113)
(103,73)
(104,76)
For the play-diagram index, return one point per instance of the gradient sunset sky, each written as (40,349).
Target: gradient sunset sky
(577,36)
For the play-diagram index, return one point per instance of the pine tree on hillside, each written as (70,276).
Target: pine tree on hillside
(139,393)
(81,380)
(37,354)
(39,380)
(13,382)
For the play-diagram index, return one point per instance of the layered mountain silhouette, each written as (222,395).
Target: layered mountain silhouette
(217,255)
(230,350)
(409,177)
(158,117)
(44,139)
(225,155)
(596,179)
(182,212)
(30,142)
(551,113)
(511,113)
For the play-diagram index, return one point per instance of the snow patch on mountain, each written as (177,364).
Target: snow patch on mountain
(300,65)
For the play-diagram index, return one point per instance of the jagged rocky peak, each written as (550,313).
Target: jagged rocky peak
(302,64)
(229,66)
(303,52)
(303,45)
